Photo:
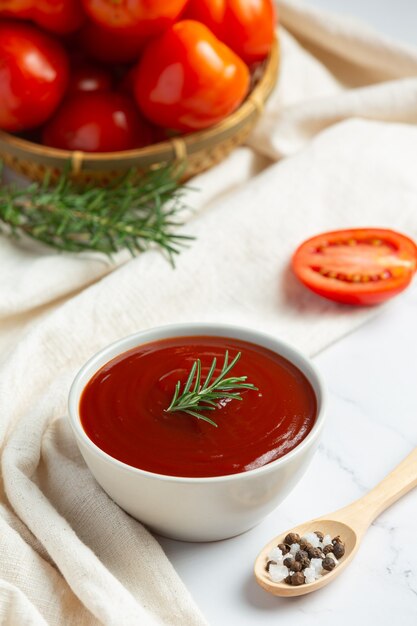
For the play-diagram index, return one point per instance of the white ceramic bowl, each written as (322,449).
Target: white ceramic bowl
(197,509)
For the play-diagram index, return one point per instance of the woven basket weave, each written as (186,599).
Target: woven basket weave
(200,150)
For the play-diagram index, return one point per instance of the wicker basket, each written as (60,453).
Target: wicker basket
(200,150)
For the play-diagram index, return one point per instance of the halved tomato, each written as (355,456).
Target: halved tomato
(358,266)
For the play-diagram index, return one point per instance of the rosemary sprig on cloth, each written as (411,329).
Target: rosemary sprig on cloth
(131,213)
(197,396)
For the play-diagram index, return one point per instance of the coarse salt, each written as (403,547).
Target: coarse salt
(316,564)
(312,539)
(311,574)
(311,568)
(275,555)
(278,573)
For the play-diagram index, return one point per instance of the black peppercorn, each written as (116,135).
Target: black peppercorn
(298,562)
(338,550)
(314,553)
(328,563)
(292,538)
(302,557)
(298,578)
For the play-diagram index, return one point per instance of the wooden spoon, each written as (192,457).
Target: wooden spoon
(350,523)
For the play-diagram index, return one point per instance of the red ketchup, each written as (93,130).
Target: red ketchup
(123,406)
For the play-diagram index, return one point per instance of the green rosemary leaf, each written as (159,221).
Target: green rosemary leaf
(199,416)
(209,375)
(206,397)
(198,377)
(133,213)
(191,376)
(226,367)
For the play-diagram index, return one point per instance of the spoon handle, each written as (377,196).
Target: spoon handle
(398,482)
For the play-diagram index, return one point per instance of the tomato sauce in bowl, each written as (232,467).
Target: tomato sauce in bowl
(122,409)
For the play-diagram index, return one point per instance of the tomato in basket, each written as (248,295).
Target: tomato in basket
(357,266)
(58,16)
(33,76)
(110,46)
(97,122)
(246,26)
(188,80)
(142,16)
(88,77)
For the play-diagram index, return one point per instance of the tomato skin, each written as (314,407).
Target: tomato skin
(57,16)
(381,263)
(188,80)
(97,122)
(246,26)
(110,46)
(145,17)
(88,77)
(127,82)
(16,8)
(33,76)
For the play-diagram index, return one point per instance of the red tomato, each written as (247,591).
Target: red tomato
(187,79)
(89,77)
(16,8)
(97,122)
(146,17)
(127,82)
(33,76)
(110,46)
(358,266)
(246,26)
(58,16)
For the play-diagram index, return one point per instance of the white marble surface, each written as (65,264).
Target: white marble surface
(372,425)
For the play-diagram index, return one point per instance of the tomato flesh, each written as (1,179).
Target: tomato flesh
(359,266)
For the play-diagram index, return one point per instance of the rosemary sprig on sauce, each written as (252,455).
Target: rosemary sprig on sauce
(198,396)
(132,212)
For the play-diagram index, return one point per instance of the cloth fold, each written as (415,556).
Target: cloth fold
(330,151)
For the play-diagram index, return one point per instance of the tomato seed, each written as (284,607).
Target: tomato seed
(385,275)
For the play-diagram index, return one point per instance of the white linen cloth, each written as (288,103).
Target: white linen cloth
(336,147)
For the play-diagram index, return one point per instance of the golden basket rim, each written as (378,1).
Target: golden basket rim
(176,148)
